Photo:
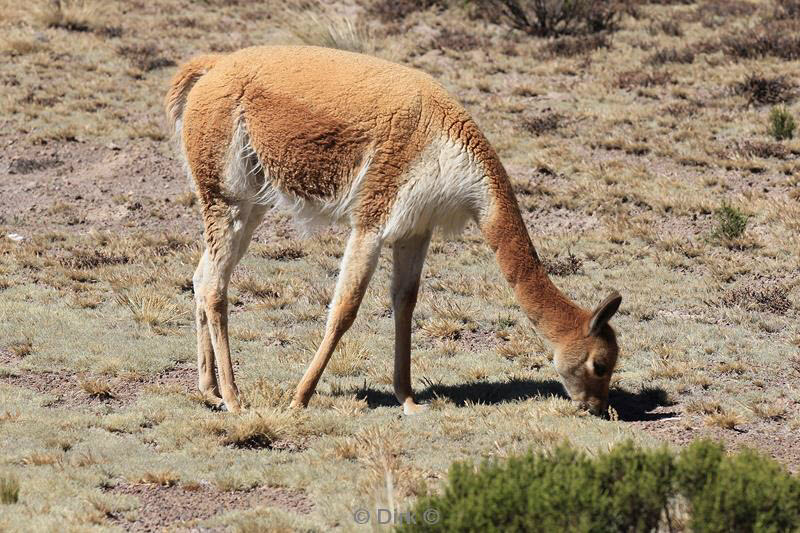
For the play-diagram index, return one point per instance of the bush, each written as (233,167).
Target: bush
(764,90)
(778,39)
(546,18)
(626,489)
(568,46)
(9,489)
(781,124)
(396,10)
(731,222)
(744,492)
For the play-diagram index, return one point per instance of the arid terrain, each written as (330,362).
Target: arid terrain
(643,160)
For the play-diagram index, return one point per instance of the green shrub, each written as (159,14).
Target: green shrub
(781,124)
(626,489)
(563,491)
(744,492)
(731,222)
(9,489)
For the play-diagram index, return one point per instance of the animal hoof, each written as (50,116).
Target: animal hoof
(297,404)
(411,408)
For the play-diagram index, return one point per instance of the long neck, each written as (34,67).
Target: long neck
(553,314)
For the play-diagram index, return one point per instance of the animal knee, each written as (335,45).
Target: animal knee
(216,303)
(404,297)
(342,319)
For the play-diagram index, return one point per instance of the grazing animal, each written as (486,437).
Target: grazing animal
(339,136)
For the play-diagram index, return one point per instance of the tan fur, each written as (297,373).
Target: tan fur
(359,138)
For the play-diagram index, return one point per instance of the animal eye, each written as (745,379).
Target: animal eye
(600,369)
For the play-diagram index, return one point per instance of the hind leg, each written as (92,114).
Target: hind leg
(228,232)
(206,367)
(408,256)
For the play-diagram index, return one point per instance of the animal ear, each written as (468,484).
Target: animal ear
(603,313)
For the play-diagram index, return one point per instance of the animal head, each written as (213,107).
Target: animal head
(586,359)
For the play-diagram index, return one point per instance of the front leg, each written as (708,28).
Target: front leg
(409,256)
(358,264)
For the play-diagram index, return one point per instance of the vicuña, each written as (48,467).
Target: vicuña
(338,136)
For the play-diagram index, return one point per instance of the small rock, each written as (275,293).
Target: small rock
(16,237)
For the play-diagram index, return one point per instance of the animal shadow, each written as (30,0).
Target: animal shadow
(630,406)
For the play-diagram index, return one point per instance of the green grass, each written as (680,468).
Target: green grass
(9,489)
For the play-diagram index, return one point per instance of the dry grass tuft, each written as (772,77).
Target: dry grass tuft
(772,411)
(669,27)
(255,287)
(457,39)
(165,478)
(671,55)
(145,56)
(319,24)
(763,149)
(639,78)
(786,10)
(89,260)
(42,458)
(724,420)
(21,349)
(152,308)
(567,265)
(704,407)
(285,252)
(15,47)
(443,328)
(72,15)
(543,123)
(713,13)
(568,46)
(258,429)
(780,40)
(349,358)
(392,11)
(96,388)
(758,297)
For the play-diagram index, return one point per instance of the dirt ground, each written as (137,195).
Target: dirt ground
(621,162)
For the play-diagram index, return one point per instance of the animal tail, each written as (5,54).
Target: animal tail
(182,82)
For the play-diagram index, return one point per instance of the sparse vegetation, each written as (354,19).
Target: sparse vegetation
(544,123)
(71,15)
(672,55)
(765,90)
(568,46)
(636,78)
(145,57)
(638,137)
